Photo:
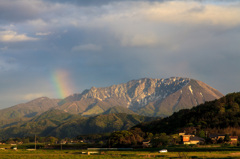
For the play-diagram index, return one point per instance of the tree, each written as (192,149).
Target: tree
(25,140)
(149,136)
(175,139)
(121,139)
(227,138)
(220,140)
(51,139)
(160,139)
(201,134)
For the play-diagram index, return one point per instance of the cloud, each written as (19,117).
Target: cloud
(149,24)
(139,40)
(12,36)
(17,11)
(194,13)
(43,33)
(132,38)
(87,47)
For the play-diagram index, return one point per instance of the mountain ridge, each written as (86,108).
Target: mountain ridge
(145,96)
(161,97)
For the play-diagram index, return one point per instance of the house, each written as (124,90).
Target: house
(191,139)
(233,140)
(216,137)
(146,143)
(186,139)
(196,140)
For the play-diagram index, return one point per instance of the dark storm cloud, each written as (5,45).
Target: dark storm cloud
(16,11)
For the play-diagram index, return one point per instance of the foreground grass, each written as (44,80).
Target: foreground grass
(77,154)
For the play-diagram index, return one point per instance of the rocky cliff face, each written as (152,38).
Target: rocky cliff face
(154,97)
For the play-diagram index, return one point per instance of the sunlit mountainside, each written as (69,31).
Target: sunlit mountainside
(151,97)
(123,105)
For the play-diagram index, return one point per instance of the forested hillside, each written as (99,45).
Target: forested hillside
(218,114)
(58,123)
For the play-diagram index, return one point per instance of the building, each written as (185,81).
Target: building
(188,139)
(216,137)
(197,140)
(146,143)
(233,140)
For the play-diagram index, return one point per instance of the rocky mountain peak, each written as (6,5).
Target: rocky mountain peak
(144,95)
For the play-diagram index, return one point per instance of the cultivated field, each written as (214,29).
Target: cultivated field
(197,153)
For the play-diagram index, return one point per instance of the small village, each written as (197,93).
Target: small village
(181,138)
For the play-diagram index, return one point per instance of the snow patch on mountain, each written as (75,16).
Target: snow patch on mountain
(190,89)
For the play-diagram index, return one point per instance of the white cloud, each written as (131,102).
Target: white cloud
(139,40)
(12,36)
(87,47)
(149,24)
(193,13)
(43,33)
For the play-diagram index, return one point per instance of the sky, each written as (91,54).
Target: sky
(55,48)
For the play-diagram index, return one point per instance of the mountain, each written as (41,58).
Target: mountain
(145,97)
(26,111)
(215,116)
(61,124)
(98,124)
(150,97)
(29,109)
(119,109)
(40,125)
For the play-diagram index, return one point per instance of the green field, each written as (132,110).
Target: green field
(181,152)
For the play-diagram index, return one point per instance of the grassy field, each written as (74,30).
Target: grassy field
(174,152)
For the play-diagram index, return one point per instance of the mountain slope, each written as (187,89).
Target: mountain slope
(152,97)
(40,125)
(61,124)
(217,114)
(98,124)
(118,109)
(193,94)
(26,111)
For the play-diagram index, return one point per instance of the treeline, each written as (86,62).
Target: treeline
(137,138)
(32,139)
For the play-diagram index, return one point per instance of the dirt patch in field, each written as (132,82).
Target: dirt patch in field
(235,153)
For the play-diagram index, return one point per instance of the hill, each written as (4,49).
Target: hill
(99,124)
(39,125)
(61,124)
(26,111)
(218,114)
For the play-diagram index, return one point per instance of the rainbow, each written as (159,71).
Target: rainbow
(62,83)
